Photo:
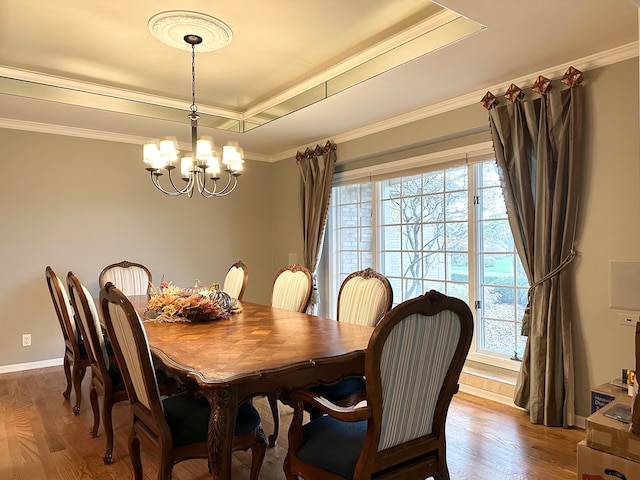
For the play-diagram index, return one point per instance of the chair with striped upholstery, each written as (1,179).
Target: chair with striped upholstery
(130,278)
(235,281)
(75,360)
(412,366)
(364,297)
(174,428)
(292,288)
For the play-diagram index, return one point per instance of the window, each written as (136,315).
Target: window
(444,229)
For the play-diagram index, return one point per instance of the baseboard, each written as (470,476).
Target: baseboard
(18,367)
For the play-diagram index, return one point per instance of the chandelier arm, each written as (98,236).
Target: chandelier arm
(232,181)
(186,188)
(156,183)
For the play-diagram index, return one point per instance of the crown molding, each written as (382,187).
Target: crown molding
(65,130)
(591,62)
(588,63)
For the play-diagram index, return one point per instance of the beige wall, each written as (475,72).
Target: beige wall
(79,204)
(188,239)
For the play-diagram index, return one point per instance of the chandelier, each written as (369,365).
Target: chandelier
(200,170)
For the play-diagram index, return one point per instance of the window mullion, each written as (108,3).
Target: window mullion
(375,225)
(474,247)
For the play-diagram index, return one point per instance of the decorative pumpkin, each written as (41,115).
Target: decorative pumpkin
(197,288)
(224,300)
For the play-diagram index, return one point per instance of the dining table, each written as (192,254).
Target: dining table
(259,350)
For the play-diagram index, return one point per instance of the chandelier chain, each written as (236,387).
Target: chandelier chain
(194,108)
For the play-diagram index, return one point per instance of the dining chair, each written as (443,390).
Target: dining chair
(235,281)
(131,278)
(412,366)
(106,380)
(292,288)
(364,297)
(175,428)
(76,360)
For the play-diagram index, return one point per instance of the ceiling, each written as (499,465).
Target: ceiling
(305,71)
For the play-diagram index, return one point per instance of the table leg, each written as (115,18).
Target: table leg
(224,408)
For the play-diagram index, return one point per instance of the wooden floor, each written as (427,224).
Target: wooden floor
(41,439)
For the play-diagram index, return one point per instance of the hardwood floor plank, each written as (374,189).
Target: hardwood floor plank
(40,438)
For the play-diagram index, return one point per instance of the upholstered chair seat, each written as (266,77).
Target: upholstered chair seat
(188,418)
(333,445)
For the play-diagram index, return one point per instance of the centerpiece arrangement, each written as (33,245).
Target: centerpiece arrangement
(171,303)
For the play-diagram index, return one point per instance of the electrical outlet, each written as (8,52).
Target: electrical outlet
(628,319)
(26,340)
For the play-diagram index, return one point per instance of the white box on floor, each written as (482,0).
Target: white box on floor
(597,465)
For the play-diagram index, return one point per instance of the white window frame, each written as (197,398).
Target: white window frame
(434,161)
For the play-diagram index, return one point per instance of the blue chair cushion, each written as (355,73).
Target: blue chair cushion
(341,390)
(188,418)
(332,445)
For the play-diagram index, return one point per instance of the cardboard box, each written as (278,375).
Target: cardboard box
(604,394)
(613,436)
(596,465)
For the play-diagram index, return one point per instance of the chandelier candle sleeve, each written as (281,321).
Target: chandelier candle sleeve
(200,170)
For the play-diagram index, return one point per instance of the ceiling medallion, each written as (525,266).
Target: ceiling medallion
(171,28)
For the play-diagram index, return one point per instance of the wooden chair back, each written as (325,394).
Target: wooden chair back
(132,353)
(130,278)
(364,297)
(75,360)
(235,282)
(89,324)
(292,288)
(64,312)
(102,381)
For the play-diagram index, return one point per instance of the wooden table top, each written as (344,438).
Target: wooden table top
(259,341)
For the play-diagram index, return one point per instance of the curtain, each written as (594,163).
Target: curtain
(316,177)
(538,148)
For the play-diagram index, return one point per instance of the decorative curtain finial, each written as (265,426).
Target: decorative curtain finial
(542,85)
(317,151)
(513,92)
(489,101)
(572,77)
